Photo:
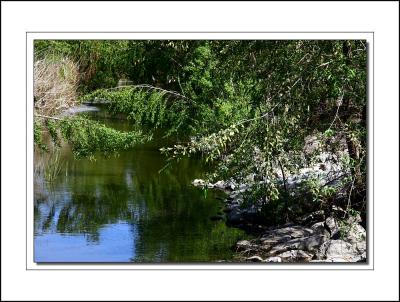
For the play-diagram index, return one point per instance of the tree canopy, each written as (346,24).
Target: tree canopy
(248,106)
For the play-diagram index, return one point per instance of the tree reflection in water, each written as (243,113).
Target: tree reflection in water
(168,218)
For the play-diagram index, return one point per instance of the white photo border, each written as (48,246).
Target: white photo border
(20,18)
(31,36)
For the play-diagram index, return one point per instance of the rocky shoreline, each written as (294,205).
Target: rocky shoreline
(317,238)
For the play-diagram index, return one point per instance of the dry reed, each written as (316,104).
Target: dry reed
(55,85)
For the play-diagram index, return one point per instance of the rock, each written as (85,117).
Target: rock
(312,143)
(319,228)
(356,233)
(330,260)
(295,256)
(243,245)
(339,251)
(234,203)
(333,227)
(357,237)
(243,187)
(354,219)
(273,259)
(237,200)
(296,243)
(312,218)
(229,186)
(292,237)
(230,198)
(233,194)
(283,247)
(310,244)
(199,183)
(255,259)
(219,184)
(270,240)
(294,231)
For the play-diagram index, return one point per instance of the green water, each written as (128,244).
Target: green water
(123,210)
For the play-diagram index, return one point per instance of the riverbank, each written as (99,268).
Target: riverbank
(316,237)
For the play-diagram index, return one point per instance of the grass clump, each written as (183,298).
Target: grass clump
(55,84)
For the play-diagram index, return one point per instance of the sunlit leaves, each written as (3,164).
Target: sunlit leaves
(87,137)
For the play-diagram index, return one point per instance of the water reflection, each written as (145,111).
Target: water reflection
(121,209)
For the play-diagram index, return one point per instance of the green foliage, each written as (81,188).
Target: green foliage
(247,106)
(200,73)
(87,137)
(147,108)
(52,128)
(297,88)
(37,136)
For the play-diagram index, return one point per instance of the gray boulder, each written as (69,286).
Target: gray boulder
(339,251)
(310,244)
(199,183)
(255,259)
(333,227)
(294,231)
(295,256)
(243,245)
(273,259)
(357,237)
(319,228)
(220,185)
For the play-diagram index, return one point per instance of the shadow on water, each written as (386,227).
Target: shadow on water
(122,209)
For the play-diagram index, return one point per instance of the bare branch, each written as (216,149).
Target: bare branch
(324,64)
(48,117)
(337,111)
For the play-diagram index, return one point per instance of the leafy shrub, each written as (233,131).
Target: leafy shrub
(87,137)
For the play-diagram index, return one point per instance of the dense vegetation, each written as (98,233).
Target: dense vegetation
(247,106)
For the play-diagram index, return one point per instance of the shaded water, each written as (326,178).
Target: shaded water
(123,210)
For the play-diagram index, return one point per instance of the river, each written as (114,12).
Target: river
(122,209)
